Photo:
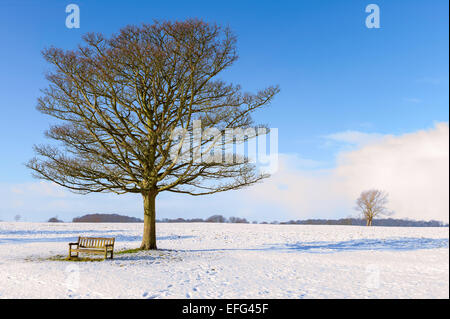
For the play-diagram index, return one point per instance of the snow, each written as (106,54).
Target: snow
(203,260)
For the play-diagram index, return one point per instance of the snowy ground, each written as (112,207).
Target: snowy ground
(204,260)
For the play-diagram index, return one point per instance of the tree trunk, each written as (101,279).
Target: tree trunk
(369,222)
(149,237)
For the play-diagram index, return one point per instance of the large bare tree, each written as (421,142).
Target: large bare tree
(372,203)
(119,100)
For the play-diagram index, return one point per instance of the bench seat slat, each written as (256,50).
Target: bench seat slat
(95,251)
(89,249)
(94,248)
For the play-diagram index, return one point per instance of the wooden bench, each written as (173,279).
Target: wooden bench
(93,245)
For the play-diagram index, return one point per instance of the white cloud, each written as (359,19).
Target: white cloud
(412,100)
(430,80)
(38,201)
(41,188)
(354,137)
(412,168)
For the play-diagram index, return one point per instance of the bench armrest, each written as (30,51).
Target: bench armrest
(73,244)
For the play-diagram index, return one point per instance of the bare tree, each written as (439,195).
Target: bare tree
(17,218)
(119,100)
(372,203)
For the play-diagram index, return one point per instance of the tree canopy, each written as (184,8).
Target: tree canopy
(120,103)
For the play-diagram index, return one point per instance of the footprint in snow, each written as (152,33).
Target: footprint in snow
(73,296)
(146,295)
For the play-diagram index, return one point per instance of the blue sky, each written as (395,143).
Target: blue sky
(335,74)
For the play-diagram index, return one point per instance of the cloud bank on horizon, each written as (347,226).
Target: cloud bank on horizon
(413,168)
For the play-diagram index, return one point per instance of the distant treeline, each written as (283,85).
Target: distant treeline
(376,222)
(342,221)
(212,219)
(106,218)
(116,218)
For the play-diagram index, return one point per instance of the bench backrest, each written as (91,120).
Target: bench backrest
(95,242)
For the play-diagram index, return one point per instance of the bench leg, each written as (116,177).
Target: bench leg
(70,254)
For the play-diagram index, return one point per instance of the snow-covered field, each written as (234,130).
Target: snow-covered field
(202,260)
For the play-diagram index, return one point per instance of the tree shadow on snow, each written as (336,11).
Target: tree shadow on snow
(74,237)
(393,244)
(390,244)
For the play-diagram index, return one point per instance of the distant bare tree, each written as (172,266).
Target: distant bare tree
(118,100)
(17,218)
(372,203)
